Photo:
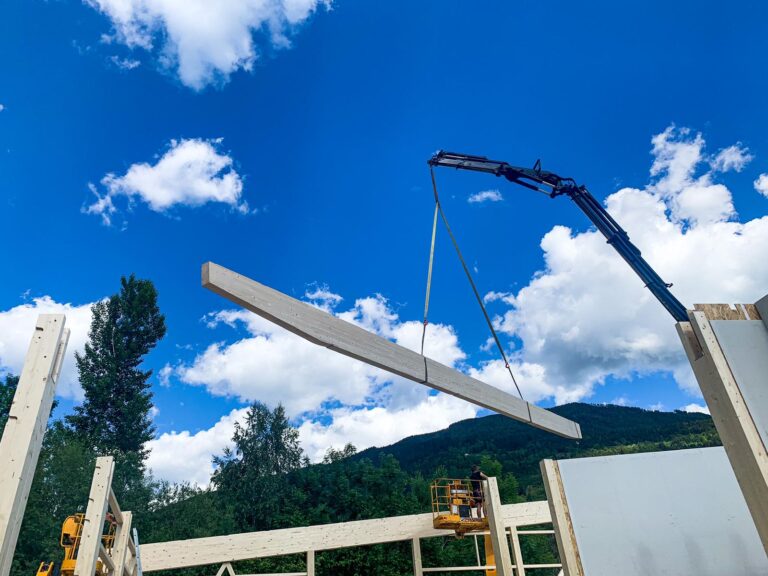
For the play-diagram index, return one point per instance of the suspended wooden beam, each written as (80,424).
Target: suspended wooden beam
(234,547)
(327,330)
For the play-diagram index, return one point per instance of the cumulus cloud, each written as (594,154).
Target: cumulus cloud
(273,365)
(205,42)
(586,316)
(380,426)
(186,457)
(124,63)
(322,297)
(17,325)
(485,196)
(761,184)
(731,158)
(334,398)
(190,173)
(697,408)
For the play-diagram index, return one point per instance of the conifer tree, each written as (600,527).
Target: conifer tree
(115,416)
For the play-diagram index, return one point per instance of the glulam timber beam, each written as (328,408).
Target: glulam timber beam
(251,545)
(346,338)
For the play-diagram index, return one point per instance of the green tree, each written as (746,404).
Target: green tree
(7,390)
(266,447)
(115,416)
(60,487)
(332,455)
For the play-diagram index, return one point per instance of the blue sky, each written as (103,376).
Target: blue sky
(320,117)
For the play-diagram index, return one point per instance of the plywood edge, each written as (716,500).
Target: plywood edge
(561,519)
(728,311)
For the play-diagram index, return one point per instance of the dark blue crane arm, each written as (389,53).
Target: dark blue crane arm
(555,185)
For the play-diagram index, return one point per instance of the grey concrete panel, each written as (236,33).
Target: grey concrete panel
(327,330)
(677,513)
(745,346)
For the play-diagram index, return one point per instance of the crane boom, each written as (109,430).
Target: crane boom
(550,183)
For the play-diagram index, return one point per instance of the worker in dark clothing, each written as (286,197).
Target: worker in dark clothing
(477,478)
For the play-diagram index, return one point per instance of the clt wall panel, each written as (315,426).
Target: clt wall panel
(676,513)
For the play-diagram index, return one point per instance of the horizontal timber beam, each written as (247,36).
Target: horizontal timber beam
(234,547)
(327,330)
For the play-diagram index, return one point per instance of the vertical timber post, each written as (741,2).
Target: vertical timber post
(727,400)
(517,551)
(416,551)
(310,563)
(499,540)
(25,428)
(93,524)
(122,537)
(561,519)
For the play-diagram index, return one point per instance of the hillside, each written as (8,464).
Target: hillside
(607,429)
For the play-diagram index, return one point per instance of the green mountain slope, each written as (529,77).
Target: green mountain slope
(607,429)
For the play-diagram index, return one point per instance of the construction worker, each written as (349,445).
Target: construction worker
(477,478)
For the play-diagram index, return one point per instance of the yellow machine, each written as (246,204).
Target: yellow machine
(454,507)
(71,531)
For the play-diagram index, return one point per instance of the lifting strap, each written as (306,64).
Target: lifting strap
(439,210)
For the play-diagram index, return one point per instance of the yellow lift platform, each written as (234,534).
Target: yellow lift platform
(71,532)
(454,507)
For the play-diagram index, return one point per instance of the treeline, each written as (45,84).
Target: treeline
(266,482)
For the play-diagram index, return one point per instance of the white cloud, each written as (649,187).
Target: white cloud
(658,407)
(2,107)
(697,408)
(336,399)
(205,42)
(322,297)
(17,326)
(731,158)
(272,365)
(190,173)
(485,196)
(380,426)
(182,456)
(586,316)
(125,63)
(164,376)
(761,184)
